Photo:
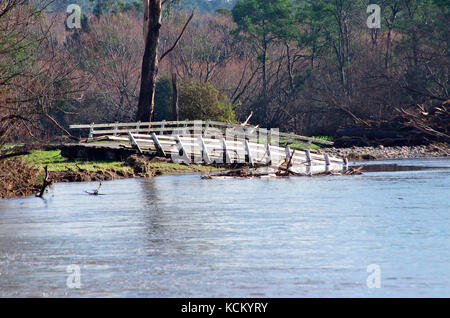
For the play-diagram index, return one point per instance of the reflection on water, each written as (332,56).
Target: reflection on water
(395,167)
(182,236)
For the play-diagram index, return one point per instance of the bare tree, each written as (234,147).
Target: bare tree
(150,61)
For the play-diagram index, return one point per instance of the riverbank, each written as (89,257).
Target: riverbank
(24,175)
(381,152)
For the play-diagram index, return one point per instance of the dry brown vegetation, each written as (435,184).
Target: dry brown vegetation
(13,183)
(316,82)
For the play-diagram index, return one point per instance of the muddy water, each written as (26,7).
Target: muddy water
(182,236)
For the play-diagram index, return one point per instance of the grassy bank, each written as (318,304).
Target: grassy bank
(23,175)
(57,163)
(300,145)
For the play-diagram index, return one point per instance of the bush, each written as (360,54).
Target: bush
(202,101)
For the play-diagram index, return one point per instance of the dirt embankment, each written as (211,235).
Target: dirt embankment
(140,167)
(19,179)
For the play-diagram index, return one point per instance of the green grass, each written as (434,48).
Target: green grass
(312,146)
(283,140)
(169,167)
(327,138)
(56,162)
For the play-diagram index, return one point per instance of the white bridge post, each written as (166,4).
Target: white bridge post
(205,154)
(133,142)
(327,163)
(182,151)
(249,153)
(308,162)
(158,146)
(91,131)
(226,155)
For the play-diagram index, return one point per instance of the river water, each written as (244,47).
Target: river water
(181,236)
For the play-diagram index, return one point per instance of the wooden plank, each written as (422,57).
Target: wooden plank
(249,153)
(269,154)
(208,124)
(235,145)
(133,124)
(182,150)
(290,162)
(134,143)
(163,125)
(327,163)
(91,131)
(259,149)
(308,157)
(158,144)
(138,126)
(116,127)
(147,130)
(205,153)
(258,152)
(288,152)
(226,155)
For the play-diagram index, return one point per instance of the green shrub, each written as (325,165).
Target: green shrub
(163,99)
(202,101)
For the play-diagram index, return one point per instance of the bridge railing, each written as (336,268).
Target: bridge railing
(189,127)
(223,150)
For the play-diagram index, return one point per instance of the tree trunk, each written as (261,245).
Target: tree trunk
(152,26)
(289,67)
(174,97)
(264,80)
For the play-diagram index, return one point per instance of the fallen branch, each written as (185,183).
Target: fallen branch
(45,183)
(55,122)
(95,192)
(248,118)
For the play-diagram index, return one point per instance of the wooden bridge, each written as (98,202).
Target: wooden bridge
(214,142)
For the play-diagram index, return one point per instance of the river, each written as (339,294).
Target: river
(181,236)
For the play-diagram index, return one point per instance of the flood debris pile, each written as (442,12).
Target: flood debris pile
(19,179)
(271,172)
(413,126)
(433,123)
